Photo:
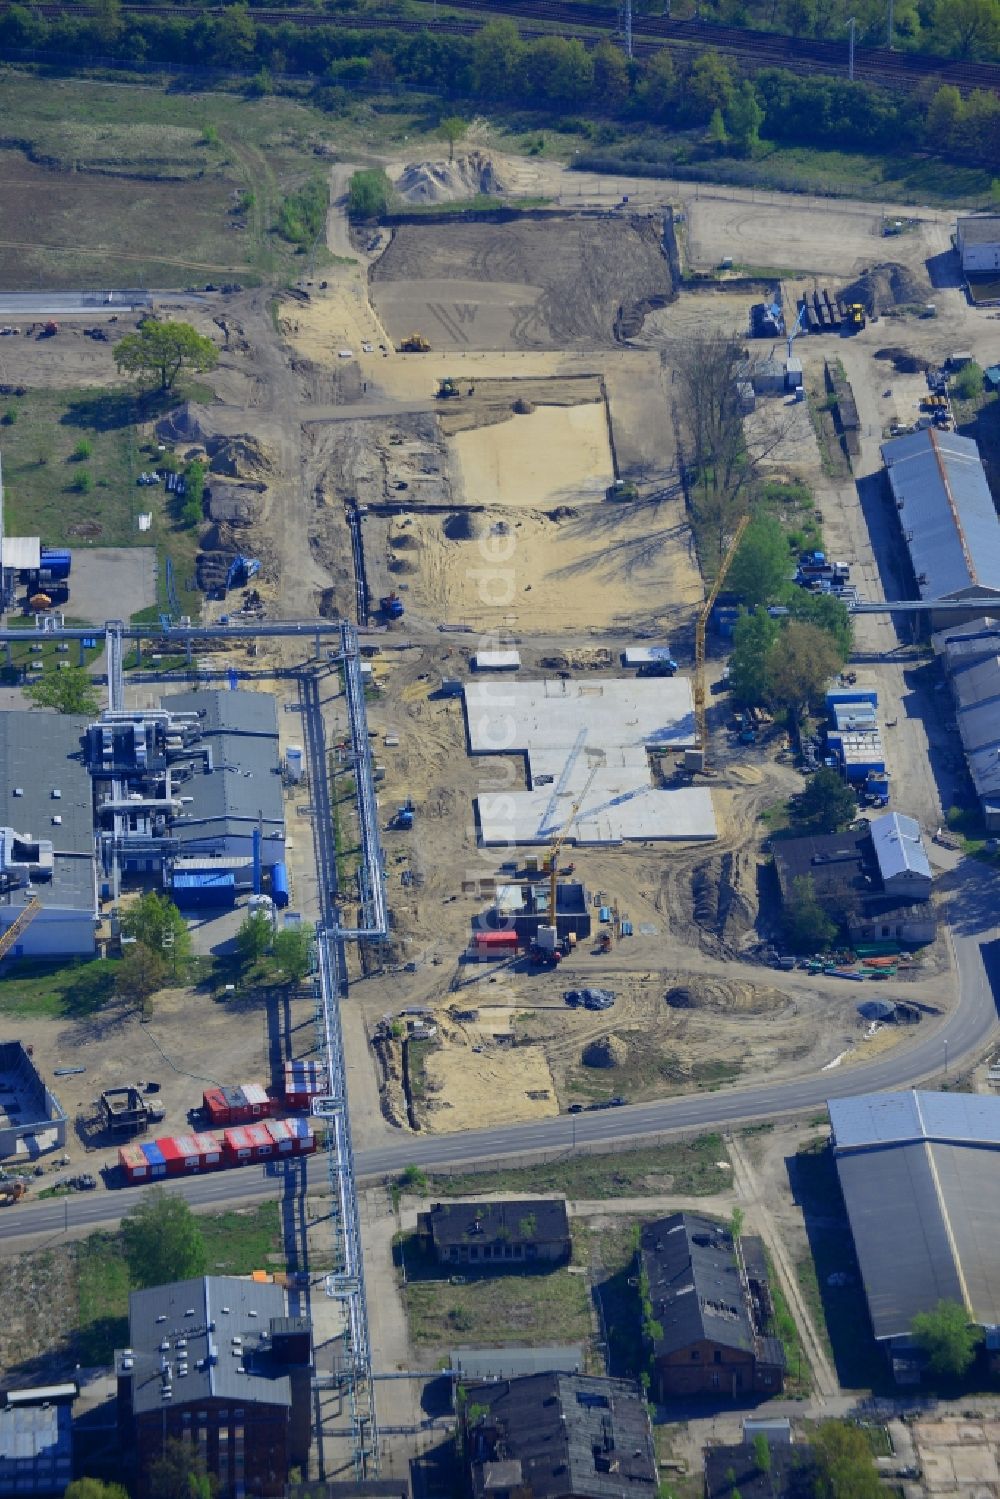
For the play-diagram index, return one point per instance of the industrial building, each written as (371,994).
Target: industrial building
(946,515)
(48,873)
(711,1308)
(875,881)
(587,749)
(36,1441)
(509,1234)
(558,1436)
(218,1362)
(971,657)
(32,1120)
(977,238)
(920,1175)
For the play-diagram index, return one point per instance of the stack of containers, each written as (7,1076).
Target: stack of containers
(261,1144)
(281,1137)
(301,1132)
(236,1147)
(154,1159)
(304,1081)
(133,1163)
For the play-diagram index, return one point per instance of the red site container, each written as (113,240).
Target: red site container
(133,1163)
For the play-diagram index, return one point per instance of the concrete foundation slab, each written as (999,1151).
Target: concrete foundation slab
(587,742)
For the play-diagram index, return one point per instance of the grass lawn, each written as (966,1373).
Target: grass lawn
(687,1167)
(524,1306)
(54,990)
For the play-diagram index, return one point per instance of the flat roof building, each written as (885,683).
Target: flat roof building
(946,514)
(511,1233)
(977,237)
(47,848)
(920,1175)
(36,1449)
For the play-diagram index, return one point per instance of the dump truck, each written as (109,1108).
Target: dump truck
(392,606)
(12,1190)
(857,317)
(447,388)
(414,343)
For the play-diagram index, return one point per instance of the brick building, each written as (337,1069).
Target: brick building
(711,1310)
(534,1231)
(218,1362)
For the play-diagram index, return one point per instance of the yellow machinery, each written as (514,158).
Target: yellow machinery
(859,317)
(559,839)
(414,343)
(19,925)
(699,637)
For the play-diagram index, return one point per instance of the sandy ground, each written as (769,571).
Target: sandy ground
(518,1084)
(958,1457)
(554,455)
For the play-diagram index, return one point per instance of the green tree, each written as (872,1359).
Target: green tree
(753,641)
(762,1453)
(157,923)
(658,90)
(180,1473)
(234,36)
(967,28)
(69,691)
(254,938)
(497,58)
(716,134)
(93,1488)
(945,114)
(369,194)
(291,950)
(451,129)
(611,76)
(736,1220)
(801,663)
(107,21)
(559,68)
(709,86)
(808,928)
(827,804)
(970,381)
(163,351)
(162,1240)
(760,571)
(825,611)
(844,1462)
(948,1338)
(141,972)
(744,118)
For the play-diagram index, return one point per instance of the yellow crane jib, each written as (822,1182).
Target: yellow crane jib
(19,925)
(560,838)
(699,635)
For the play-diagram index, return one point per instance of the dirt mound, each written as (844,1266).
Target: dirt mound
(449,181)
(187,423)
(401,565)
(605,1051)
(724,896)
(405,542)
(888,285)
(726,996)
(903,361)
(523,407)
(463,526)
(240,457)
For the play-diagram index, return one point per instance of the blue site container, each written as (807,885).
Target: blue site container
(157,1160)
(204,887)
(56,562)
(279,886)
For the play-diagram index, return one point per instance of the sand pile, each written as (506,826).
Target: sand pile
(888,285)
(449,181)
(729,996)
(463,526)
(188,423)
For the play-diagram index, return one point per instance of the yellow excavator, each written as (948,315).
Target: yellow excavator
(699,638)
(414,343)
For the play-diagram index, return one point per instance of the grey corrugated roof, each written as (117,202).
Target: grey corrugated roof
(871,1119)
(979,682)
(980,228)
(205,1315)
(245,782)
(40,753)
(946,512)
(521,1221)
(967,643)
(984,768)
(509,1363)
(694,1283)
(898,845)
(979,726)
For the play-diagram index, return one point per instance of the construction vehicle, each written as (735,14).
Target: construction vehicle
(699,638)
(20,925)
(604,942)
(559,839)
(857,317)
(403,819)
(447,388)
(414,343)
(12,1189)
(392,606)
(50,330)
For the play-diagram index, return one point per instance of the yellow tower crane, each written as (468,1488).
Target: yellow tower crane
(699,637)
(559,839)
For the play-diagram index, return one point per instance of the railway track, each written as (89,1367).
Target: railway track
(904,70)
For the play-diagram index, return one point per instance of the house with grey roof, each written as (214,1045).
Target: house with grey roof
(494,1235)
(947,517)
(47,848)
(557,1436)
(920,1176)
(710,1323)
(218,1361)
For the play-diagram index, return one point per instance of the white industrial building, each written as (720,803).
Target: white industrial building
(977,237)
(587,743)
(46,836)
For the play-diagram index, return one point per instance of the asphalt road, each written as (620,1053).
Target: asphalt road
(959,1038)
